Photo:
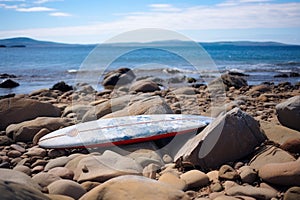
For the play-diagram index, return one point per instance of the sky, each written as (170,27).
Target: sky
(95,21)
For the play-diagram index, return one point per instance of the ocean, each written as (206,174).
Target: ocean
(42,67)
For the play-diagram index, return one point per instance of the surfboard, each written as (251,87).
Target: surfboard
(123,130)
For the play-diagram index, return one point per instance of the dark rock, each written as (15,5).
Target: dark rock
(15,110)
(228,173)
(288,112)
(191,80)
(291,145)
(7,96)
(229,137)
(7,76)
(10,190)
(144,86)
(230,81)
(233,73)
(4,140)
(8,83)
(118,77)
(61,86)
(294,74)
(281,76)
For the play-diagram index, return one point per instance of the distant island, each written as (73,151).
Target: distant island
(29,42)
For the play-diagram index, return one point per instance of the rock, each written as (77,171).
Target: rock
(44,178)
(25,131)
(144,86)
(18,148)
(61,86)
(10,109)
(257,193)
(134,187)
(62,172)
(292,193)
(8,83)
(231,81)
(4,140)
(167,158)
(263,88)
(291,145)
(287,173)
(79,110)
(270,154)
(11,190)
(216,187)
(39,135)
(185,91)
(57,162)
(88,185)
(195,179)
(2,76)
(248,174)
(104,167)
(59,197)
(36,151)
(222,140)
(67,188)
(148,106)
(228,173)
(213,176)
(145,157)
(23,168)
(14,154)
(118,78)
(106,107)
(10,175)
(151,170)
(173,180)
(73,163)
(288,112)
(235,73)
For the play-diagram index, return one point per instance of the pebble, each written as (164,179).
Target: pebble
(18,148)
(36,151)
(14,154)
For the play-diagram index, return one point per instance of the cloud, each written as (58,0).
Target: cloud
(60,14)
(163,8)
(5,6)
(35,9)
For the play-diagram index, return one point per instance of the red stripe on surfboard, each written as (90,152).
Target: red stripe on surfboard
(132,141)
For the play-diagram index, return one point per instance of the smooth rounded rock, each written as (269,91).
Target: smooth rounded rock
(59,197)
(287,174)
(173,180)
(23,168)
(66,187)
(195,179)
(44,179)
(257,193)
(292,193)
(134,187)
(57,162)
(248,174)
(14,154)
(88,185)
(291,145)
(228,173)
(36,151)
(62,172)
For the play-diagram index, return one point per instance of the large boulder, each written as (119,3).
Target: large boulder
(61,86)
(288,113)
(134,187)
(15,110)
(229,137)
(25,131)
(146,106)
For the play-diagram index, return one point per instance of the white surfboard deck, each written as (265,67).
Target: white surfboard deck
(123,130)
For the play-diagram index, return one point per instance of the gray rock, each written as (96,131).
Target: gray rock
(288,113)
(248,174)
(144,86)
(15,110)
(44,179)
(228,173)
(229,137)
(57,162)
(257,193)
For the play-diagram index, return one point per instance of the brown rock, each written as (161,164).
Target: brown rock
(4,140)
(88,185)
(248,174)
(213,176)
(288,112)
(62,172)
(16,110)
(150,170)
(36,151)
(281,173)
(117,78)
(231,81)
(58,197)
(40,134)
(173,180)
(14,153)
(11,190)
(257,193)
(292,193)
(144,86)
(67,188)
(229,137)
(195,179)
(25,131)
(23,168)
(270,154)
(44,179)
(18,148)
(134,187)
(228,173)
(57,162)
(292,145)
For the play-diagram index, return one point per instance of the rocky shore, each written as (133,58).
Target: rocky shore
(250,151)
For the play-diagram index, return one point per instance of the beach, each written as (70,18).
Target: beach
(254,156)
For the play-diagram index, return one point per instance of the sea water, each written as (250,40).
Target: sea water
(41,67)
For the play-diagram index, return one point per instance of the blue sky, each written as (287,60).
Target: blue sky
(94,21)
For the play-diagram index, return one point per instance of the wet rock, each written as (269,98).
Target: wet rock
(67,188)
(104,167)
(2,76)
(257,193)
(8,83)
(270,154)
(147,106)
(144,86)
(61,86)
(291,145)
(10,109)
(18,177)
(134,187)
(292,193)
(25,131)
(228,173)
(195,179)
(287,174)
(222,140)
(288,112)
(11,190)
